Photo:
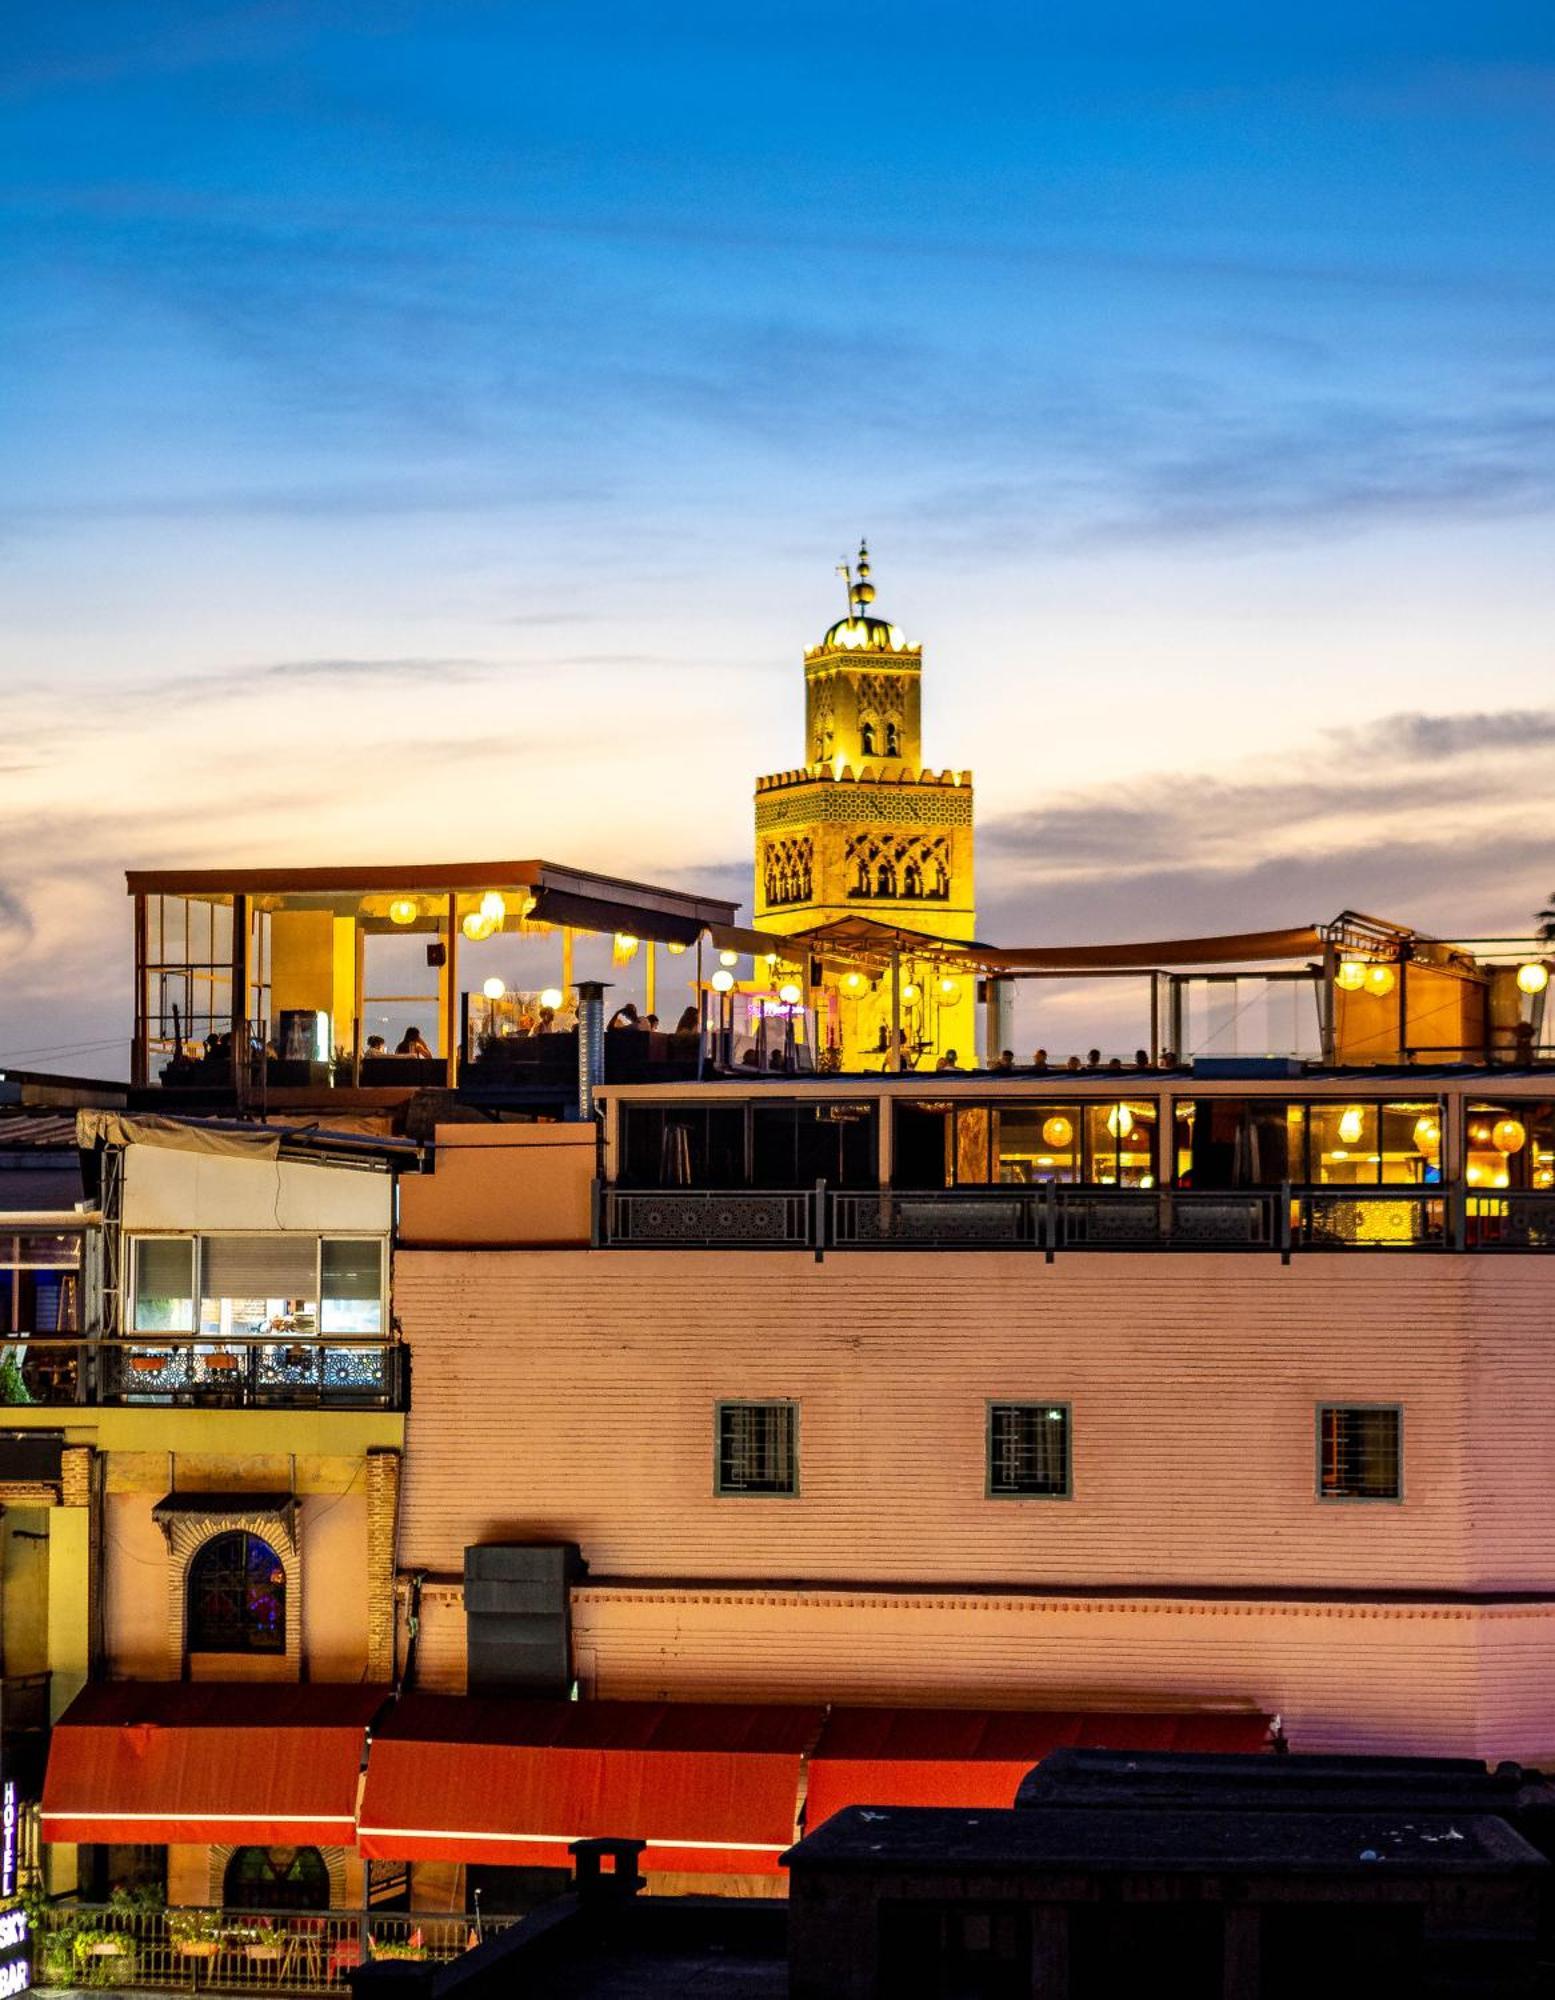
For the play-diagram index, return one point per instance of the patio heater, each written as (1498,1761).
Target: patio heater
(591,1043)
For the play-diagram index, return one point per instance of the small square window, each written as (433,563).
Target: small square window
(1360,1451)
(758,1448)
(1028,1451)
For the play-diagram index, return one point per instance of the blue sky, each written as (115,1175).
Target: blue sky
(430,430)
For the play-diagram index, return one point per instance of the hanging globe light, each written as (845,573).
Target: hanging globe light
(1428,1133)
(1533,977)
(723,981)
(728,958)
(909,992)
(404,910)
(789,994)
(551,997)
(1351,975)
(1380,980)
(853,982)
(493,988)
(949,990)
(1509,1135)
(477,928)
(493,908)
(1057,1133)
(1351,1125)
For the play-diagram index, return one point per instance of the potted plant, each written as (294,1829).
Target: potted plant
(195,1933)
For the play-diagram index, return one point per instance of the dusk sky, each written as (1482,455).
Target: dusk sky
(429,431)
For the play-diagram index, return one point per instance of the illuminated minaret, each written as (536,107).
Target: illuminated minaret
(862,829)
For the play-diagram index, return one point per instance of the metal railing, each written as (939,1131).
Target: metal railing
(693,1219)
(179,1369)
(235,1951)
(1051,1218)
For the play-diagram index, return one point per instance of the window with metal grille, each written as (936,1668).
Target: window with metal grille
(237,1596)
(758,1448)
(1360,1451)
(1028,1451)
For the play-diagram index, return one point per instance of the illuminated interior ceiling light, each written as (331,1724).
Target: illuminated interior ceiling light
(853,982)
(728,958)
(949,990)
(404,910)
(1502,1179)
(1351,975)
(493,908)
(789,994)
(1380,980)
(1545,1177)
(551,997)
(1352,1124)
(1057,1133)
(1533,978)
(1509,1135)
(771,960)
(626,945)
(1480,1134)
(1120,1121)
(477,928)
(1475,1175)
(1428,1133)
(723,981)
(493,988)
(676,950)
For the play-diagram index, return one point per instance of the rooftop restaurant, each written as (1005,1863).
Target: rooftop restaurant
(1342,1085)
(263,987)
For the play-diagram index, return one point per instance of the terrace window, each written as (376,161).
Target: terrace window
(1100,1144)
(1028,1451)
(783,1145)
(1510,1145)
(1233,1142)
(40,1284)
(758,1449)
(351,1284)
(164,1284)
(1360,1451)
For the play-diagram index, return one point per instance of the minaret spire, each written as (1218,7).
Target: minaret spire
(861,592)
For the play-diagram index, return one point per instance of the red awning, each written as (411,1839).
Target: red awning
(977,1757)
(712,1788)
(165,1762)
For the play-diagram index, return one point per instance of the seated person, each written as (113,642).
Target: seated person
(376,1046)
(1003,1061)
(546,1021)
(949,1060)
(412,1043)
(1039,1060)
(624,1017)
(690,1022)
(651,1023)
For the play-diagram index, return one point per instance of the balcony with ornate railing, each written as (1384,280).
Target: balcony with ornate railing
(1051,1218)
(342,1373)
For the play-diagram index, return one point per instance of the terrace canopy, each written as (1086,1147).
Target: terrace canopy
(167,1762)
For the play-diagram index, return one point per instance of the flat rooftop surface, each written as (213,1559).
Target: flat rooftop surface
(928,1838)
(634,1973)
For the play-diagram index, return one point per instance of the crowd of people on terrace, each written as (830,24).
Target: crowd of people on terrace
(1005,1063)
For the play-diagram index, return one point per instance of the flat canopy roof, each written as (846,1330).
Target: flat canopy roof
(448,876)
